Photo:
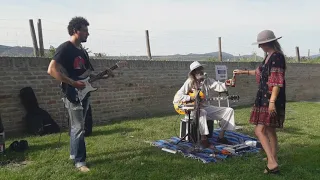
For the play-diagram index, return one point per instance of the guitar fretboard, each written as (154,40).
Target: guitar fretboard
(233,97)
(100,75)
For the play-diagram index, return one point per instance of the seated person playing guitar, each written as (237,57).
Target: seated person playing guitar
(225,115)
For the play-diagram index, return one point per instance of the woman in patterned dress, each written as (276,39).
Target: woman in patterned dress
(268,112)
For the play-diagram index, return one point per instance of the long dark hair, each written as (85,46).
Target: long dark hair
(192,77)
(275,45)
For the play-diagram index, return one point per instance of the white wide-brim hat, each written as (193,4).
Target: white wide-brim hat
(265,37)
(195,65)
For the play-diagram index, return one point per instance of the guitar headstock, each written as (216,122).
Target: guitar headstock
(122,63)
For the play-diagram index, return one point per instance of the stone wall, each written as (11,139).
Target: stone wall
(142,89)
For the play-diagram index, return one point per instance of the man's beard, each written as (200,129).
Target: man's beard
(83,39)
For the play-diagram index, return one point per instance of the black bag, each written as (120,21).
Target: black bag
(39,121)
(28,99)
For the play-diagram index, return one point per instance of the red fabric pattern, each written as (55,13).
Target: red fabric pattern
(258,75)
(276,77)
(260,115)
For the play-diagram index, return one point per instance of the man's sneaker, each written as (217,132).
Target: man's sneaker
(84,169)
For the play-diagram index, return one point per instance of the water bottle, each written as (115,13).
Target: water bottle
(2,138)
(253,144)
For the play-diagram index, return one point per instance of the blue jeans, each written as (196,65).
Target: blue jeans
(77,114)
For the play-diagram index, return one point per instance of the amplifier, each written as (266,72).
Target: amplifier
(184,128)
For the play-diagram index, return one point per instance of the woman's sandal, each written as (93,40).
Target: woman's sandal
(272,171)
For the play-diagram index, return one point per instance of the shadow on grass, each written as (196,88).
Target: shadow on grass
(145,163)
(291,130)
(152,163)
(123,131)
(19,157)
(47,146)
(301,160)
(287,130)
(297,132)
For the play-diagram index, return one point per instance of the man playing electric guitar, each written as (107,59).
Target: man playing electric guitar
(70,65)
(224,114)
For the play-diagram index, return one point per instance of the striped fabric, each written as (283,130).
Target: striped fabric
(187,149)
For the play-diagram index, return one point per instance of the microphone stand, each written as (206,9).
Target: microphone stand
(197,115)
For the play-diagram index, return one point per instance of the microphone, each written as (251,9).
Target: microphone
(205,75)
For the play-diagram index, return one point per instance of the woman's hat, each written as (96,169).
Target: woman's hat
(266,36)
(194,66)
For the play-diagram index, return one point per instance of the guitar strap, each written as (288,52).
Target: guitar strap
(88,58)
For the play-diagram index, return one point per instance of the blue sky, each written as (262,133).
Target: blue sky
(177,26)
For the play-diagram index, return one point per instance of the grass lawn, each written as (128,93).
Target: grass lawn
(118,151)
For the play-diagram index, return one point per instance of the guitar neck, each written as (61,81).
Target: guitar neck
(100,75)
(215,99)
(233,97)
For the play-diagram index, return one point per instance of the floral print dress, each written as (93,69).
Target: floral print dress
(268,75)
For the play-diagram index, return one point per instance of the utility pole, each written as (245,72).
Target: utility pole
(40,38)
(34,38)
(220,50)
(298,54)
(148,45)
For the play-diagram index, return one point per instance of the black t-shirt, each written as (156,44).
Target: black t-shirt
(75,61)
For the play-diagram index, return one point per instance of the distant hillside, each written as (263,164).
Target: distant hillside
(4,48)
(315,56)
(214,56)
(16,51)
(28,52)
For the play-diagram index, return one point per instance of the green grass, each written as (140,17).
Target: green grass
(118,151)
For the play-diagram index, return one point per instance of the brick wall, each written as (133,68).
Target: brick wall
(143,89)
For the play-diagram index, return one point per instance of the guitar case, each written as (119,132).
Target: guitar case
(28,99)
(38,121)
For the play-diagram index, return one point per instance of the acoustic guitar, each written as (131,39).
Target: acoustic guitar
(182,107)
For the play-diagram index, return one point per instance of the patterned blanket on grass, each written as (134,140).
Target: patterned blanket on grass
(187,149)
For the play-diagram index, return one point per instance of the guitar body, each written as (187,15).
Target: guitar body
(183,107)
(82,93)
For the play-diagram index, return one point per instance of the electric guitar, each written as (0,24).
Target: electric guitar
(181,107)
(77,95)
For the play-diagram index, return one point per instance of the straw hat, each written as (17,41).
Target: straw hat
(266,36)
